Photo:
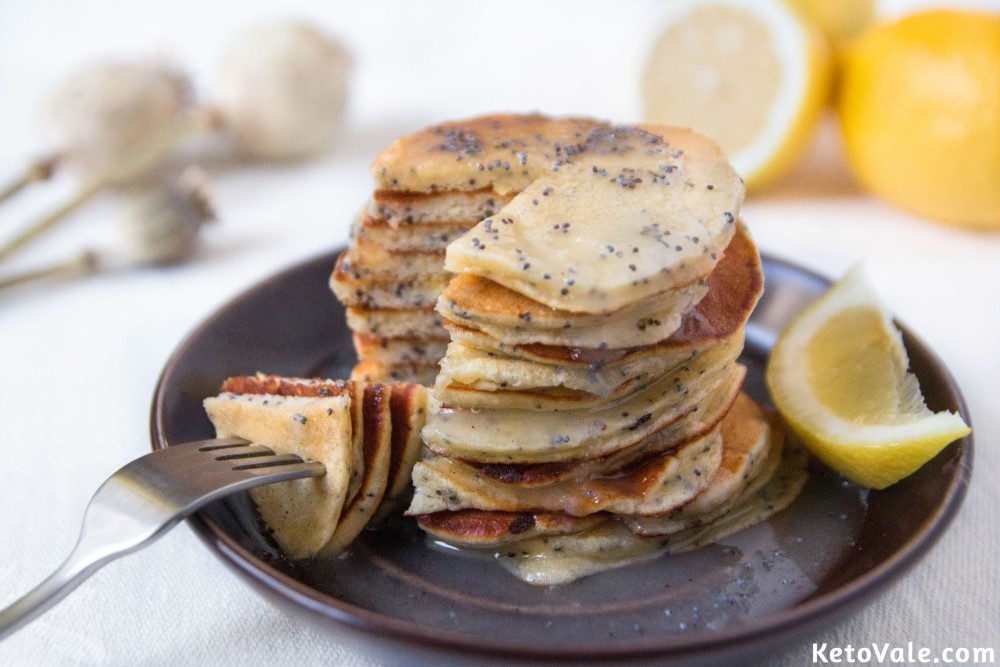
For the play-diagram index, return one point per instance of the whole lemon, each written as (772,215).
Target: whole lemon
(840,20)
(920,109)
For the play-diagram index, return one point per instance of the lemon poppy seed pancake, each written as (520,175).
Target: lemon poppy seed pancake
(635,214)
(733,290)
(366,435)
(751,447)
(507,315)
(370,370)
(408,237)
(750,457)
(477,363)
(400,350)
(696,368)
(366,260)
(559,559)
(481,528)
(408,411)
(522,436)
(502,153)
(396,322)
(650,487)
(691,425)
(303,513)
(398,208)
(381,291)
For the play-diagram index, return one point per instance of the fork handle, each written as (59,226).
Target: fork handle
(85,559)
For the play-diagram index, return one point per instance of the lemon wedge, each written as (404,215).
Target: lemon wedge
(751,74)
(838,376)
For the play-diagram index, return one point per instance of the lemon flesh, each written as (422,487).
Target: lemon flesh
(838,375)
(752,75)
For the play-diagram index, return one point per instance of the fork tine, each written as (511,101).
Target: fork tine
(216,443)
(270,462)
(249,451)
(281,468)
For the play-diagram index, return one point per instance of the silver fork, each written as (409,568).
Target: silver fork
(148,497)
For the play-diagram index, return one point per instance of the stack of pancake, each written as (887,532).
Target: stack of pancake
(389,279)
(432,187)
(588,408)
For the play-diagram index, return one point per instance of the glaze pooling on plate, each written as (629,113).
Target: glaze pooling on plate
(835,548)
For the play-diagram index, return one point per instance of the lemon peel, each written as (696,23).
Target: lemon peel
(919,105)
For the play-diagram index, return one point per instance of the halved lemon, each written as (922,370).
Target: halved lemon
(751,74)
(838,376)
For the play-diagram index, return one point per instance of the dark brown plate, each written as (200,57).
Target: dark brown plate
(832,551)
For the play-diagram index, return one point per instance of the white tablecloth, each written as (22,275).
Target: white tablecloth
(79,362)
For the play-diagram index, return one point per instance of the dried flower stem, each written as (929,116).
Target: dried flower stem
(139,158)
(39,170)
(50,219)
(83,264)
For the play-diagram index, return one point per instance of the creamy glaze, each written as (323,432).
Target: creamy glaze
(562,559)
(634,215)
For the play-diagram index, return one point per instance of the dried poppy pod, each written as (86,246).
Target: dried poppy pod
(282,90)
(106,108)
(157,225)
(162,225)
(102,112)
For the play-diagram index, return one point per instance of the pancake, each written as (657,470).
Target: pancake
(651,487)
(635,215)
(694,515)
(481,362)
(478,528)
(527,390)
(501,152)
(377,453)
(734,288)
(472,302)
(467,367)
(396,323)
(750,457)
(303,514)
(366,435)
(690,426)
(610,544)
(375,371)
(408,237)
(408,410)
(276,385)
(398,208)
(518,436)
(482,304)
(399,350)
(420,291)
(543,397)
(368,261)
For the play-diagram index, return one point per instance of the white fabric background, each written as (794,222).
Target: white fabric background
(79,362)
